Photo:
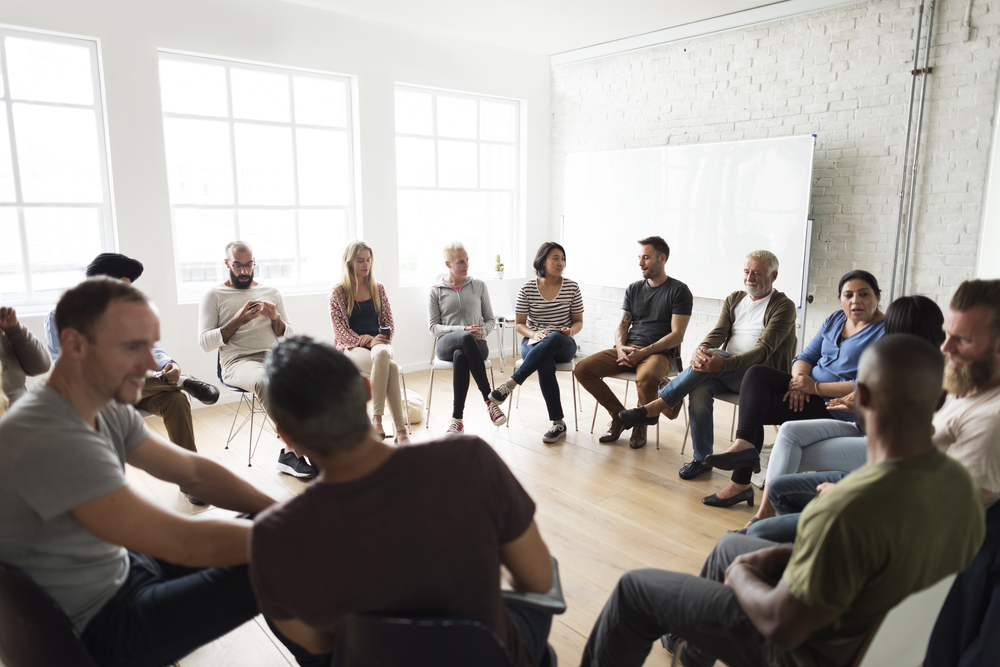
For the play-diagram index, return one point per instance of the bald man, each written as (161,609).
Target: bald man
(817,601)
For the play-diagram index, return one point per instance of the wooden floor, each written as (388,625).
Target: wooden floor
(602,509)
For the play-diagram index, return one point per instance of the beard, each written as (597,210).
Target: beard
(242,281)
(969,374)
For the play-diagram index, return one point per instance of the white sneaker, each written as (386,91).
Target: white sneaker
(496,414)
(456,426)
(557,431)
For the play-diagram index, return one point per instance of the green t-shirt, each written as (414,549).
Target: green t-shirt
(882,533)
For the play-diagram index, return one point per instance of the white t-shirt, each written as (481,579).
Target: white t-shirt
(748,324)
(968,429)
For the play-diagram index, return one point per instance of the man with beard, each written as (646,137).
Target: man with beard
(655,316)
(756,326)
(143,585)
(242,319)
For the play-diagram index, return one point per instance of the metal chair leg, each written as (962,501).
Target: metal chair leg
(406,406)
(576,415)
(430,395)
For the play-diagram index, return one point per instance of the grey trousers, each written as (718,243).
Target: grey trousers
(647,604)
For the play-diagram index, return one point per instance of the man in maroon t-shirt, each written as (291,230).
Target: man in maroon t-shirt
(419,530)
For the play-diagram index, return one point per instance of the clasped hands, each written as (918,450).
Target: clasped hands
(253,309)
(768,564)
(477,331)
(540,335)
(364,340)
(705,360)
(631,356)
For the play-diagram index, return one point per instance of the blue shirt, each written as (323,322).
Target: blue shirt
(839,363)
(52,342)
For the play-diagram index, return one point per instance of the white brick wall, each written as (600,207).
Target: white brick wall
(841,74)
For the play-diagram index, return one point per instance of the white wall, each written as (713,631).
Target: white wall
(842,74)
(281,33)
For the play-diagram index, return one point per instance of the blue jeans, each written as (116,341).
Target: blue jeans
(163,612)
(542,358)
(702,388)
(790,494)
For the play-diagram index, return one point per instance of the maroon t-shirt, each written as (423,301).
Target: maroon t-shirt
(419,536)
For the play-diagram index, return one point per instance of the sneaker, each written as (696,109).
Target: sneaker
(195,501)
(693,468)
(500,394)
(456,426)
(557,431)
(290,464)
(496,414)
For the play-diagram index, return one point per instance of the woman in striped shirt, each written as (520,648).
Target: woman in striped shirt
(549,312)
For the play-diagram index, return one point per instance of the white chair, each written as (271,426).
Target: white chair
(441,365)
(628,377)
(566,367)
(903,635)
(503,310)
(256,408)
(728,397)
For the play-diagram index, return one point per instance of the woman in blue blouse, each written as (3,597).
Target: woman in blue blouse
(826,369)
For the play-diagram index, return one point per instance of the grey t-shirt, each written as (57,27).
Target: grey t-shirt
(51,462)
(652,308)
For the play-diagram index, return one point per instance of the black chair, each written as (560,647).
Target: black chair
(34,631)
(255,409)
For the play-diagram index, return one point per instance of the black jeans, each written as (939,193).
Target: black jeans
(468,355)
(761,405)
(163,612)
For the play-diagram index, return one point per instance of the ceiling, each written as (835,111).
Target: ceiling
(542,26)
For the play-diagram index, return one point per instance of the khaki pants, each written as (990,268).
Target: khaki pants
(247,373)
(591,373)
(172,405)
(384,378)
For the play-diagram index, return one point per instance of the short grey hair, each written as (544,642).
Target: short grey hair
(242,246)
(452,249)
(765,256)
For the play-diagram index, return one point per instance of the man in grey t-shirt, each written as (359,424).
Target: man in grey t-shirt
(118,564)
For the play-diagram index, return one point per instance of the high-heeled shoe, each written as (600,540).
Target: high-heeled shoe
(715,501)
(745,458)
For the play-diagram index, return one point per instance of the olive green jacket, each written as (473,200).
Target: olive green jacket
(776,345)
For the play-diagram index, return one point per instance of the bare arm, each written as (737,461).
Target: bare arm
(521,325)
(315,641)
(621,333)
(773,610)
(527,558)
(678,326)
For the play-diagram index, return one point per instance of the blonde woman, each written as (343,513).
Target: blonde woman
(363,329)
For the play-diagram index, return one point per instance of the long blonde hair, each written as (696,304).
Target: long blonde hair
(348,286)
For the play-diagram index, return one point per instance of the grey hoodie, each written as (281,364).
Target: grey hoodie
(451,310)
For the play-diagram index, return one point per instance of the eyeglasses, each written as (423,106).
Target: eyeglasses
(240,268)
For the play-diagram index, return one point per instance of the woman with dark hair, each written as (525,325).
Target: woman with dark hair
(832,445)
(549,312)
(826,369)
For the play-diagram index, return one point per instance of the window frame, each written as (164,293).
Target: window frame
(107,227)
(351,132)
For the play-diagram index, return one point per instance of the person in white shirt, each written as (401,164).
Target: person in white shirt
(242,319)
(756,326)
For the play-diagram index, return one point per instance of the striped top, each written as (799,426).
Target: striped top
(549,315)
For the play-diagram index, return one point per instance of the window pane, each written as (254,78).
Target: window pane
(498,121)
(11,267)
(57,154)
(272,235)
(264,164)
(324,169)
(457,164)
(193,88)
(430,219)
(260,95)
(414,114)
(414,162)
(497,164)
(320,102)
(199,165)
(45,71)
(200,238)
(456,117)
(323,235)
(6,165)
(61,242)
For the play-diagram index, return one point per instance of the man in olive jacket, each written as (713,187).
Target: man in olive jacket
(756,326)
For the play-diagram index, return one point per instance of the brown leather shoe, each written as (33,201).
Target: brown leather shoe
(673,412)
(615,429)
(638,439)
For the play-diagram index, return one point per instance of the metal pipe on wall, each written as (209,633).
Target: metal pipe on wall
(906,151)
(916,146)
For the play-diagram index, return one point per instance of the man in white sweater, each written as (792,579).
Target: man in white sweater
(242,319)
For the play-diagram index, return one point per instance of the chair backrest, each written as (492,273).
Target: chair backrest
(500,299)
(385,640)
(904,634)
(34,631)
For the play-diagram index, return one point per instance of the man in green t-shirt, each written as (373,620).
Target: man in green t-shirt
(861,547)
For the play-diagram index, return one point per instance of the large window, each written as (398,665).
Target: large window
(263,154)
(458,177)
(55,192)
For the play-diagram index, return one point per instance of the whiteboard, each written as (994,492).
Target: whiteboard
(712,203)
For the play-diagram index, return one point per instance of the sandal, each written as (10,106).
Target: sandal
(743,530)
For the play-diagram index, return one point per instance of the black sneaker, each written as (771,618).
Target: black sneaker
(290,464)
(500,394)
(694,468)
(557,431)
